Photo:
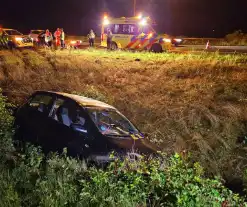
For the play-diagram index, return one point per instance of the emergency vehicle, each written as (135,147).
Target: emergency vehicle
(12,38)
(134,33)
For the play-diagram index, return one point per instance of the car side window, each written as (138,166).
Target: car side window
(41,103)
(67,113)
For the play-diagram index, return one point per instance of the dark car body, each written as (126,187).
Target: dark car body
(86,127)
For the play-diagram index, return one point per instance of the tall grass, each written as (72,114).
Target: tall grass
(193,102)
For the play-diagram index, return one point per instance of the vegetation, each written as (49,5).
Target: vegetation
(185,102)
(237,38)
(30,179)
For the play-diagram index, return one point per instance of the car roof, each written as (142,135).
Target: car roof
(39,30)
(81,100)
(8,29)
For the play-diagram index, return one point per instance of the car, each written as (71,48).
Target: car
(35,33)
(40,41)
(88,128)
(74,44)
(15,39)
(176,41)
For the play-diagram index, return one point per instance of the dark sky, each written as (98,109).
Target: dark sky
(177,17)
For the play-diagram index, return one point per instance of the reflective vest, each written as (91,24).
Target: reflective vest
(62,36)
(3,41)
(91,35)
(57,34)
(48,37)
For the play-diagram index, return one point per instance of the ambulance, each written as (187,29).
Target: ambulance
(134,33)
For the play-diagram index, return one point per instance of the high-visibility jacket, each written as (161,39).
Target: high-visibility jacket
(57,34)
(48,37)
(3,41)
(62,36)
(91,35)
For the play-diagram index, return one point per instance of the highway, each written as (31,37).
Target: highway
(221,49)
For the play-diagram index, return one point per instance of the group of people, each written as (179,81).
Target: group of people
(59,36)
(91,37)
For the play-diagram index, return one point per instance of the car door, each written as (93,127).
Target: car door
(61,133)
(35,115)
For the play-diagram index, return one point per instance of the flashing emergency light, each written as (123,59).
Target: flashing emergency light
(150,35)
(139,16)
(143,22)
(167,40)
(18,39)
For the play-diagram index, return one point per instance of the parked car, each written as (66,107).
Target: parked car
(74,44)
(15,39)
(34,34)
(86,127)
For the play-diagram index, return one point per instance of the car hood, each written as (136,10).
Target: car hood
(21,36)
(141,145)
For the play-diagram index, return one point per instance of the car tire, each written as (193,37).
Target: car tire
(11,45)
(114,46)
(156,48)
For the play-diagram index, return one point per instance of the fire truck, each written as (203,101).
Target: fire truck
(135,33)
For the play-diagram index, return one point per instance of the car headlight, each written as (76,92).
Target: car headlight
(178,40)
(167,40)
(18,39)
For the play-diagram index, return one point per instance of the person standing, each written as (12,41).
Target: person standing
(48,38)
(109,38)
(91,38)
(57,36)
(62,38)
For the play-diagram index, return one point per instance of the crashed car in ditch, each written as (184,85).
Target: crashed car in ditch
(88,128)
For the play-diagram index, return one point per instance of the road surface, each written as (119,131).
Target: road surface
(221,49)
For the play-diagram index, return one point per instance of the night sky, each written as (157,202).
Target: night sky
(176,17)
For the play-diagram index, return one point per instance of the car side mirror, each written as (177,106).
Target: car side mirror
(79,128)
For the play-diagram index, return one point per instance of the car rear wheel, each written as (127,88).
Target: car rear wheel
(114,46)
(11,45)
(156,48)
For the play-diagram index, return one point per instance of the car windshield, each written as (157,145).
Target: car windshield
(12,32)
(111,122)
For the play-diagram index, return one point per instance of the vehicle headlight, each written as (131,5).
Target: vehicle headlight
(167,40)
(18,39)
(143,22)
(178,40)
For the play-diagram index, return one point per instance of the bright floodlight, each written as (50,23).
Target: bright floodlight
(143,22)
(106,22)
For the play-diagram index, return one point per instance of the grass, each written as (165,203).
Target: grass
(185,102)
